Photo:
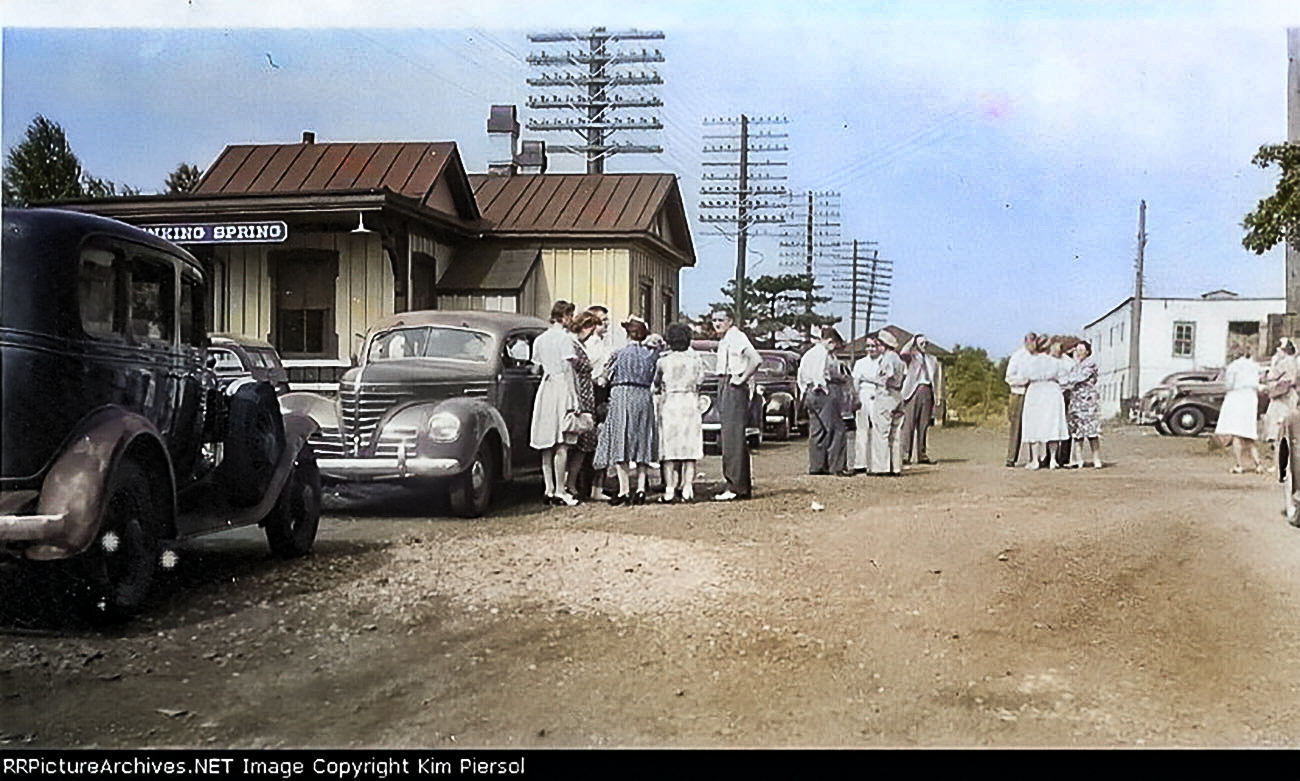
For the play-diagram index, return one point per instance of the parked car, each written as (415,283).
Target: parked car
(1184,403)
(438,397)
(711,421)
(117,439)
(783,410)
(235,356)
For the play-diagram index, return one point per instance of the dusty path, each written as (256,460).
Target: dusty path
(1153,602)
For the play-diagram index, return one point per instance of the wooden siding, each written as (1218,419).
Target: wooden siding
(363,291)
(585,276)
(662,276)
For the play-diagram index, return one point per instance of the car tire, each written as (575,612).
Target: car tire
(785,427)
(471,491)
(254,443)
(117,572)
(1162,428)
(291,525)
(1186,421)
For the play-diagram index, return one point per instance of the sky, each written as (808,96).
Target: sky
(996,152)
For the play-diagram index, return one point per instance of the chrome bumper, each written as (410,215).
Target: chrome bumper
(33,528)
(388,468)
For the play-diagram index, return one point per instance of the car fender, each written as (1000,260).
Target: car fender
(315,406)
(478,419)
(74,486)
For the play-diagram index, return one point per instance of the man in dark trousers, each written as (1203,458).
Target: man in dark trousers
(922,388)
(819,370)
(737,363)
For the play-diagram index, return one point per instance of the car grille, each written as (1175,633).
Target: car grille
(360,411)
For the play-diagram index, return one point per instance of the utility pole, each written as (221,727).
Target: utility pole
(812,238)
(866,279)
(727,186)
(1135,328)
(593,70)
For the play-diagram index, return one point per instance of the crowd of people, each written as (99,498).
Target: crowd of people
(1054,408)
(602,406)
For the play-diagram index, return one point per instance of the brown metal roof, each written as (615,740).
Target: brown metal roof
(411,169)
(570,202)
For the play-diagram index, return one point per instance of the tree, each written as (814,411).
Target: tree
(775,303)
(977,390)
(41,167)
(183,179)
(1276,219)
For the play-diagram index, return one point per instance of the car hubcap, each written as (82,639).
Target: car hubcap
(477,476)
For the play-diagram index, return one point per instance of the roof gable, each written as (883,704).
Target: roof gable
(428,172)
(586,204)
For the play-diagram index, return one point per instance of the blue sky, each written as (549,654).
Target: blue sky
(996,152)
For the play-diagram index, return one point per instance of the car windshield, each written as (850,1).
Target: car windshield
(772,365)
(709,361)
(457,344)
(225,360)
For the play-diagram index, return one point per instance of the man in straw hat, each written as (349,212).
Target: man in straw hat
(879,378)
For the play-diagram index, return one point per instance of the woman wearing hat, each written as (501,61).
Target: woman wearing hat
(629,437)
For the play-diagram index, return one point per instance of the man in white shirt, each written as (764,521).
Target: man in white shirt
(818,370)
(879,378)
(737,363)
(922,388)
(1016,403)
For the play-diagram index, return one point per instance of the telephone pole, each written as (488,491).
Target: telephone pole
(865,281)
(733,192)
(1135,329)
(584,84)
(812,237)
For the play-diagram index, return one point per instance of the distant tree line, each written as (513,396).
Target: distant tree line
(42,168)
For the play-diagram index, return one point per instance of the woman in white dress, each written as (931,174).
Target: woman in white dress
(554,350)
(1280,382)
(681,431)
(1239,415)
(1043,422)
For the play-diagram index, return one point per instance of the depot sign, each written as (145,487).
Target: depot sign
(221,232)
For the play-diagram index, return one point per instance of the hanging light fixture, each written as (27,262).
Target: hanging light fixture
(361,224)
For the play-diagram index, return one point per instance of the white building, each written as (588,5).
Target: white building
(1176,334)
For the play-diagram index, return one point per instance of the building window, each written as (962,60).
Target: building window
(646,301)
(1243,335)
(670,314)
(304,303)
(1184,339)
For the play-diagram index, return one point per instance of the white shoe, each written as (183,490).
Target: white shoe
(1031,465)
(567,498)
(599,496)
(725,496)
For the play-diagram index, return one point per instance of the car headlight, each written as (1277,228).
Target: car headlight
(444,427)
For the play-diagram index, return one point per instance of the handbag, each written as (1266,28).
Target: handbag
(1279,388)
(578,422)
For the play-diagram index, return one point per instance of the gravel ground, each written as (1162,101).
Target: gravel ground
(964,604)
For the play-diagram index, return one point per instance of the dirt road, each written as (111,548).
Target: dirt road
(1153,602)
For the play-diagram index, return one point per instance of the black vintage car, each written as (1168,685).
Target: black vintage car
(118,439)
(235,356)
(440,397)
(711,420)
(783,411)
(1184,403)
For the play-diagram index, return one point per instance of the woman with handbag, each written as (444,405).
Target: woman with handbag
(554,351)
(582,421)
(1280,381)
(629,437)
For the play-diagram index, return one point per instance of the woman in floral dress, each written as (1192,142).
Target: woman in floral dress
(583,451)
(681,430)
(1083,413)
